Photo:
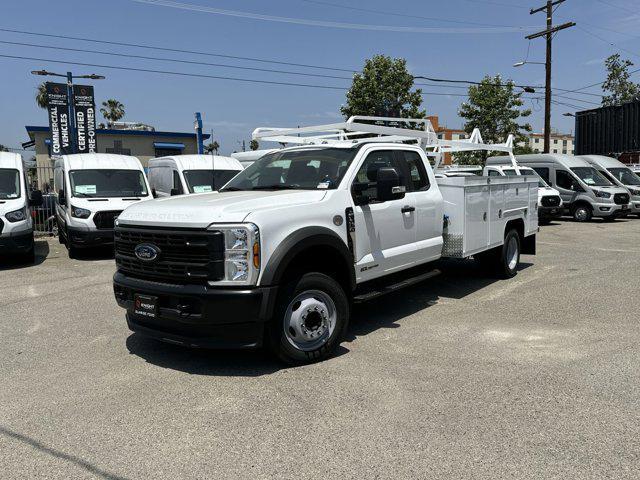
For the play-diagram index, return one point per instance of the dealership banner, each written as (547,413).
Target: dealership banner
(59,119)
(85,108)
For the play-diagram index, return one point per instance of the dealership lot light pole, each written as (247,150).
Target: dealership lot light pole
(69,76)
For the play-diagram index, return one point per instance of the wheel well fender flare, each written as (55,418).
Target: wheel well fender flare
(302,240)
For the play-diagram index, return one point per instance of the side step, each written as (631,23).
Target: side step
(379,290)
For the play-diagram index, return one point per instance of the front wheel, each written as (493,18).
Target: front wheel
(311,318)
(582,213)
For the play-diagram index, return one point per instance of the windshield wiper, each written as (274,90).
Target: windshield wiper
(82,194)
(234,189)
(278,186)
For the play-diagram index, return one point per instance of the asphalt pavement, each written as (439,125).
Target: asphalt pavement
(460,377)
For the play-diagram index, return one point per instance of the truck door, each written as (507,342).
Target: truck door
(429,208)
(567,186)
(385,231)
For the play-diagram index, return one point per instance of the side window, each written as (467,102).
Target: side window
(177,184)
(415,173)
(365,182)
(564,179)
(544,173)
(494,173)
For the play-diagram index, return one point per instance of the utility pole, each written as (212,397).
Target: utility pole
(548,33)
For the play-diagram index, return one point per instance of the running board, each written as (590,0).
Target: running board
(383,290)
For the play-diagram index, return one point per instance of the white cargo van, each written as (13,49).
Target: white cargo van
(16,224)
(584,191)
(180,174)
(92,190)
(549,201)
(619,174)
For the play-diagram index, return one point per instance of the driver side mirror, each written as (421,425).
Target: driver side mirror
(388,185)
(62,200)
(174,192)
(36,198)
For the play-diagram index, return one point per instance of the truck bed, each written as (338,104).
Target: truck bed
(477,209)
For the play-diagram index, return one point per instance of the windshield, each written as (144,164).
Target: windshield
(625,176)
(9,184)
(200,181)
(528,172)
(308,169)
(591,177)
(107,183)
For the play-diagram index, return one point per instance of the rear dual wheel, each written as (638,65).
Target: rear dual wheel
(311,318)
(503,261)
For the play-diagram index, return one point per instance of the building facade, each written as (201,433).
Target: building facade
(560,143)
(445,133)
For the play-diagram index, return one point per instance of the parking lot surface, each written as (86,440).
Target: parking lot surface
(459,377)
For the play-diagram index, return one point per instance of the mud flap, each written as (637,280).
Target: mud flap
(529,245)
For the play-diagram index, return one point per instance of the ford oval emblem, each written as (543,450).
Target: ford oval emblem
(146,252)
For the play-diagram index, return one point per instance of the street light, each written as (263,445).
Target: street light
(526,62)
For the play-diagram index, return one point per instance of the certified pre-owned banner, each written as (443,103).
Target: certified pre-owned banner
(85,108)
(59,119)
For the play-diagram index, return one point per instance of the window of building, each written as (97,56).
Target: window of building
(555,141)
(118,149)
(167,152)
(564,143)
(536,140)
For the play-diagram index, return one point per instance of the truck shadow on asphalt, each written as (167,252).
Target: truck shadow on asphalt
(14,263)
(460,278)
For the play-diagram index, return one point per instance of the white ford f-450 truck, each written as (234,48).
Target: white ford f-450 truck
(278,255)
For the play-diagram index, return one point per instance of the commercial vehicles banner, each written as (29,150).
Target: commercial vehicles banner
(59,119)
(85,111)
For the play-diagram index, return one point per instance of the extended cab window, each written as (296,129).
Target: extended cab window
(417,178)
(494,173)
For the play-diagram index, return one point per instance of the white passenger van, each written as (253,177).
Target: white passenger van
(619,174)
(16,224)
(549,201)
(92,190)
(180,174)
(584,191)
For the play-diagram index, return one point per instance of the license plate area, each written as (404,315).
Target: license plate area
(145,305)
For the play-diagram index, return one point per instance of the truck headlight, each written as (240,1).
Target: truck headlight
(601,194)
(80,212)
(17,215)
(634,191)
(241,253)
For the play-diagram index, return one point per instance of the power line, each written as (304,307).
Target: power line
(628,10)
(609,42)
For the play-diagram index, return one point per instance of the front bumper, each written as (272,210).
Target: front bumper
(550,212)
(610,210)
(198,315)
(90,238)
(16,242)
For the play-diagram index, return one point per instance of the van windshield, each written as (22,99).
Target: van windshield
(200,181)
(308,169)
(528,172)
(625,176)
(9,184)
(590,176)
(107,183)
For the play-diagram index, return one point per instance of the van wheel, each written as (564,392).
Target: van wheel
(310,320)
(582,213)
(61,234)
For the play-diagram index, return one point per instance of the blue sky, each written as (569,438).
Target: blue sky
(319,34)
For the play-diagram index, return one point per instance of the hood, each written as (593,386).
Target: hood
(104,204)
(201,210)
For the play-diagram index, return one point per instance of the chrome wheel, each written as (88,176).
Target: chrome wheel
(512,253)
(310,320)
(581,214)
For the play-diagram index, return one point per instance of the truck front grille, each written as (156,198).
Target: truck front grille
(185,255)
(552,201)
(621,198)
(105,220)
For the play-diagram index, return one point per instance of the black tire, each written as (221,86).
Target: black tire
(72,251)
(281,343)
(62,237)
(509,260)
(582,213)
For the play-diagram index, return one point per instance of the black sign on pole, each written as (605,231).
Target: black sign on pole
(59,119)
(85,112)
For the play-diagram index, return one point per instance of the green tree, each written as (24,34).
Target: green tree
(112,110)
(254,145)
(384,89)
(495,108)
(618,88)
(214,146)
(42,99)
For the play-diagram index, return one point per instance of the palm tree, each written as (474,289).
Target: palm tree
(254,145)
(42,98)
(212,147)
(112,110)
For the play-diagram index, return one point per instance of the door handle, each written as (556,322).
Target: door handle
(408,209)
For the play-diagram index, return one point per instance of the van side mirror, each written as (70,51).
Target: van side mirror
(62,200)
(174,192)
(154,193)
(388,185)
(36,198)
